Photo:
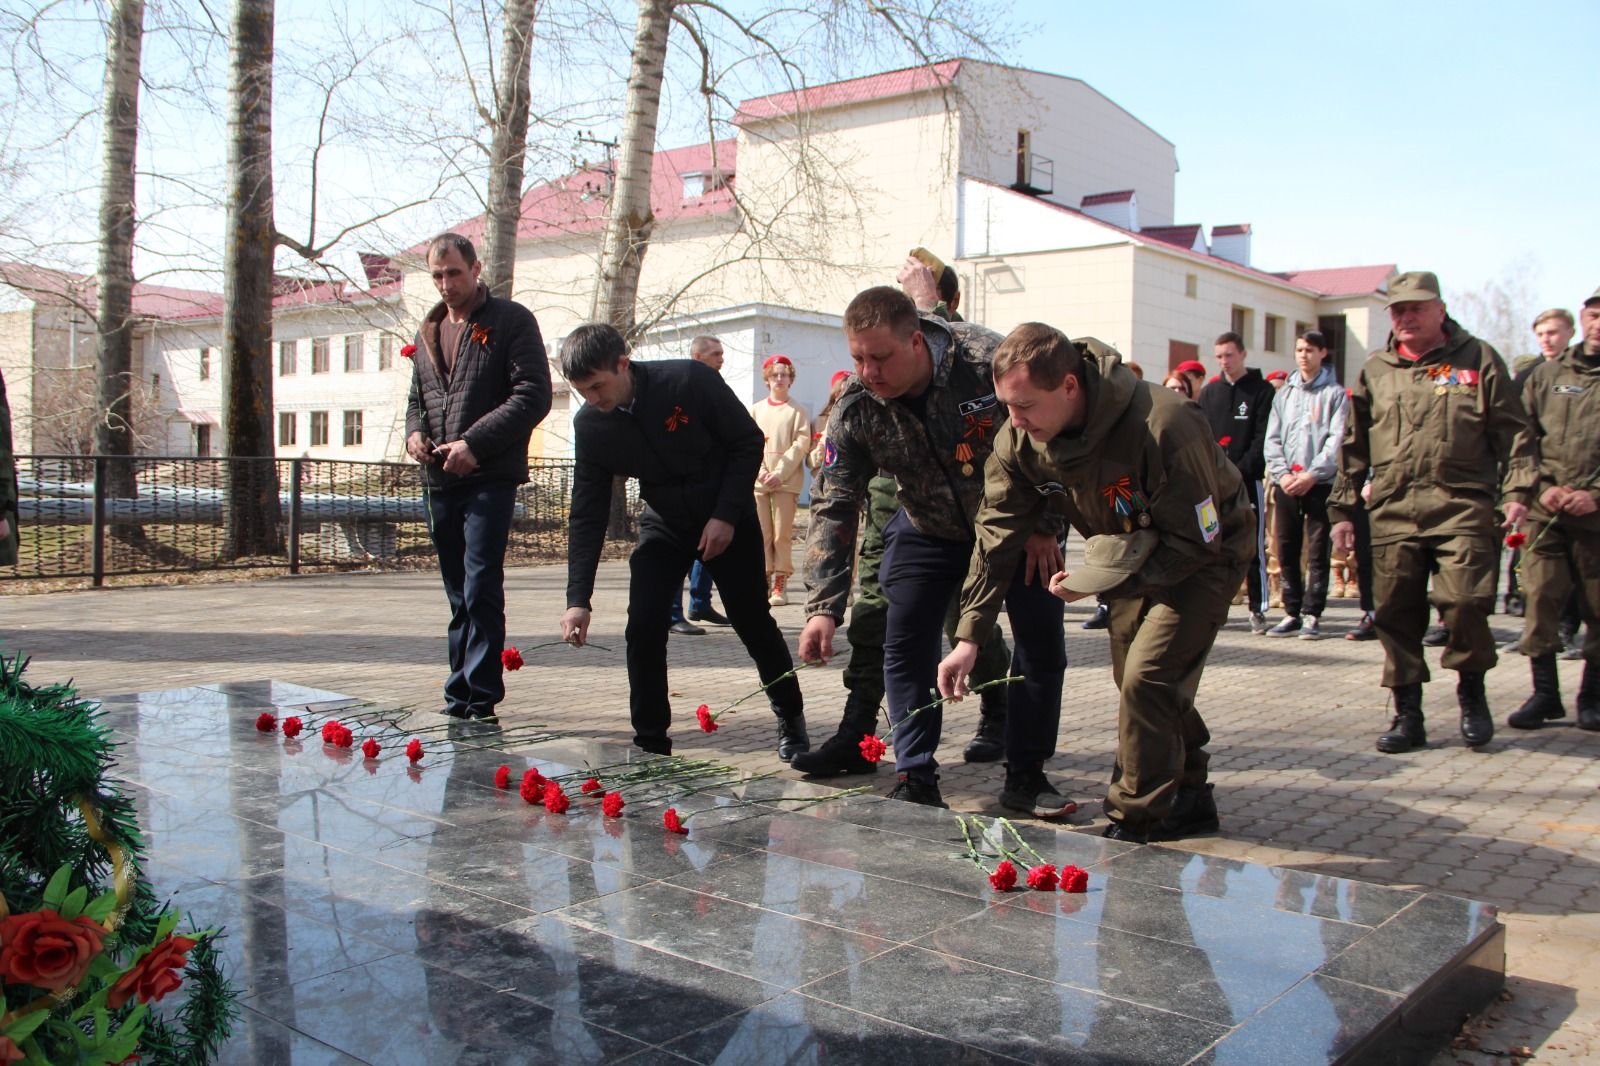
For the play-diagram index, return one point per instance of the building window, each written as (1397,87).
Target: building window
(1191,285)
(1240,322)
(352,353)
(202,440)
(1180,352)
(205,364)
(352,429)
(286,357)
(1024,157)
(319,429)
(319,355)
(285,429)
(1301,327)
(385,352)
(155,385)
(1273,326)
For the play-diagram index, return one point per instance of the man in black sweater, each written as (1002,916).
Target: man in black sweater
(1238,403)
(677,427)
(480,382)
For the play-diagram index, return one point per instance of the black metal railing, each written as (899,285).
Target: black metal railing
(100,516)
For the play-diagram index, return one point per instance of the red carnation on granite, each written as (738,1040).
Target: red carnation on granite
(292,727)
(511,659)
(591,785)
(555,800)
(532,787)
(369,748)
(153,976)
(708,722)
(330,729)
(266,722)
(408,351)
(1516,540)
(1004,877)
(342,737)
(1042,878)
(414,750)
(872,748)
(673,823)
(502,777)
(611,805)
(1074,879)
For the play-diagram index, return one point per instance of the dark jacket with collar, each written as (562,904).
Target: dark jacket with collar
(1239,411)
(687,438)
(1562,396)
(497,393)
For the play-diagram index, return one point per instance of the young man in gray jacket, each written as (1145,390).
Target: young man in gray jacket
(1302,454)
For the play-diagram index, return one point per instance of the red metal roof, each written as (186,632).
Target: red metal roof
(1182,236)
(1122,196)
(1230,231)
(1343,281)
(854,91)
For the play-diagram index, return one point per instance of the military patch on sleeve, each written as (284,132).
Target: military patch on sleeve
(830,454)
(1205,512)
(980,403)
(1567,390)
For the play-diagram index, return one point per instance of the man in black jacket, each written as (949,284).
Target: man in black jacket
(1238,403)
(480,382)
(677,427)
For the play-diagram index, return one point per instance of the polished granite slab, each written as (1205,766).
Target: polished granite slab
(382,912)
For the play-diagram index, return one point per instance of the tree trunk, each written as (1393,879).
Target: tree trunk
(630,219)
(251,520)
(510,148)
(113,428)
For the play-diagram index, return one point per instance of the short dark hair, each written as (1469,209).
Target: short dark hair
(446,241)
(1315,338)
(949,285)
(1044,351)
(882,305)
(591,348)
(1229,337)
(702,342)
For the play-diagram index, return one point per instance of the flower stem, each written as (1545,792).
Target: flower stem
(946,699)
(759,691)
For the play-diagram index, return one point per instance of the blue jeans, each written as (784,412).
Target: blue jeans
(470,525)
(699,592)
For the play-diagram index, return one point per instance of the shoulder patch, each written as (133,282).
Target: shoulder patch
(976,404)
(830,454)
(1205,513)
(1568,390)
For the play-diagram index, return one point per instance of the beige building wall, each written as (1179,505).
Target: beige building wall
(16,364)
(1084,293)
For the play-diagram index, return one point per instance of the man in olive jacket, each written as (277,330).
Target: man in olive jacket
(1437,430)
(1563,400)
(479,384)
(1133,467)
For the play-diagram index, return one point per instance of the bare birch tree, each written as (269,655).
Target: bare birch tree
(509,149)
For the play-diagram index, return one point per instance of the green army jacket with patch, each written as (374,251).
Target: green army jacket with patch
(1562,396)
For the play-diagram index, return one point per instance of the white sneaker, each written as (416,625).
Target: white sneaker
(778,598)
(1309,629)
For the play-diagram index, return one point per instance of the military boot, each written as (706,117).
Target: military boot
(1545,703)
(990,742)
(841,753)
(1477,724)
(792,737)
(1589,698)
(1406,731)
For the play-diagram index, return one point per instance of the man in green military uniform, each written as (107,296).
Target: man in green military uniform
(1438,431)
(1134,468)
(1563,400)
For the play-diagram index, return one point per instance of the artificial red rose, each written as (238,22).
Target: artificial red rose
(673,823)
(872,748)
(1516,540)
(611,805)
(1004,877)
(9,1051)
(1042,878)
(292,727)
(1074,879)
(414,750)
(511,659)
(369,748)
(408,351)
(591,785)
(43,949)
(1297,469)
(265,722)
(532,788)
(708,723)
(1224,441)
(153,976)
(502,777)
(555,800)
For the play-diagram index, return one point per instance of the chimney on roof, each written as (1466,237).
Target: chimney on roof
(1118,208)
(1231,243)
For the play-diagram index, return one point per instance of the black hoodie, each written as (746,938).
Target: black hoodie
(1238,414)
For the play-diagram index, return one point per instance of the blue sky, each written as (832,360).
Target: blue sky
(1462,138)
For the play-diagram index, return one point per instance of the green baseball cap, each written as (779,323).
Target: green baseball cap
(1595,299)
(1110,559)
(1414,287)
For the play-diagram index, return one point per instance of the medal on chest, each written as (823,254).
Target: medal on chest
(1447,379)
(976,427)
(1127,503)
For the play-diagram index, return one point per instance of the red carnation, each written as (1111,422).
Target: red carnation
(153,976)
(1297,469)
(414,750)
(342,737)
(674,824)
(532,787)
(1516,540)
(872,748)
(1042,878)
(708,722)
(292,727)
(511,659)
(502,777)
(591,785)
(408,351)
(1224,441)
(330,729)
(1074,879)
(611,805)
(369,748)
(266,722)
(43,949)
(555,800)
(1004,877)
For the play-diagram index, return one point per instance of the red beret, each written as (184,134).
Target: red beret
(1190,366)
(838,376)
(784,359)
(1278,375)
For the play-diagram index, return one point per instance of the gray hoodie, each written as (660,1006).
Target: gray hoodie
(1306,426)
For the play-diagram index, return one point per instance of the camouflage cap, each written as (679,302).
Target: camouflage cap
(1110,558)
(1413,287)
(1594,299)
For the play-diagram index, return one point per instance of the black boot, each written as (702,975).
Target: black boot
(1545,703)
(792,737)
(990,741)
(1589,698)
(841,753)
(1477,724)
(1406,731)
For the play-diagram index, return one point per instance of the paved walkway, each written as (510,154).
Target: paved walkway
(1297,778)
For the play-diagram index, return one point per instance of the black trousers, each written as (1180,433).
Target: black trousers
(1256,578)
(470,525)
(1363,526)
(1303,524)
(656,571)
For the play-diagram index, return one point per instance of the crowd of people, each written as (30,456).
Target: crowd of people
(950,463)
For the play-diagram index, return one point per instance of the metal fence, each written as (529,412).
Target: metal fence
(100,516)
